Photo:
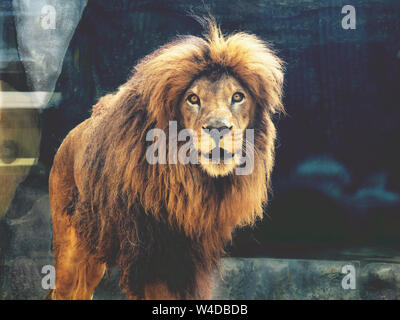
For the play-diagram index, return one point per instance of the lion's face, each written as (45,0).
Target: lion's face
(218,111)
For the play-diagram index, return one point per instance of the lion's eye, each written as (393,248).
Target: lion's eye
(237,97)
(193,99)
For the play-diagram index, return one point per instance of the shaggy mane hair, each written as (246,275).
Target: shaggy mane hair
(170,222)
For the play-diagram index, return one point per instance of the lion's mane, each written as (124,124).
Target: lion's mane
(170,222)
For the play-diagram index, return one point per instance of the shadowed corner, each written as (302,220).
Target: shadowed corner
(5,241)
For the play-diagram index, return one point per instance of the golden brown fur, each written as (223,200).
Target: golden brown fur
(165,226)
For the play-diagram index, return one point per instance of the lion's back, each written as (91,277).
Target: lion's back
(67,164)
(102,105)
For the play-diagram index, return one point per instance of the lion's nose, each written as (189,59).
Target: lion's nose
(222,130)
(217,130)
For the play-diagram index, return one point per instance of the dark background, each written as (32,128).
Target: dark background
(337,180)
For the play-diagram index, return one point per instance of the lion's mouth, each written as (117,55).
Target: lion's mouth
(218,154)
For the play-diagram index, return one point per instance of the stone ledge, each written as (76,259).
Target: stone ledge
(264,278)
(242,278)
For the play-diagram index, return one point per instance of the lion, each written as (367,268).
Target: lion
(166,225)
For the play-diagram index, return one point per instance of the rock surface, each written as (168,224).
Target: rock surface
(280,279)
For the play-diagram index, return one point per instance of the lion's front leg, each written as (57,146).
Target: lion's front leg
(77,273)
